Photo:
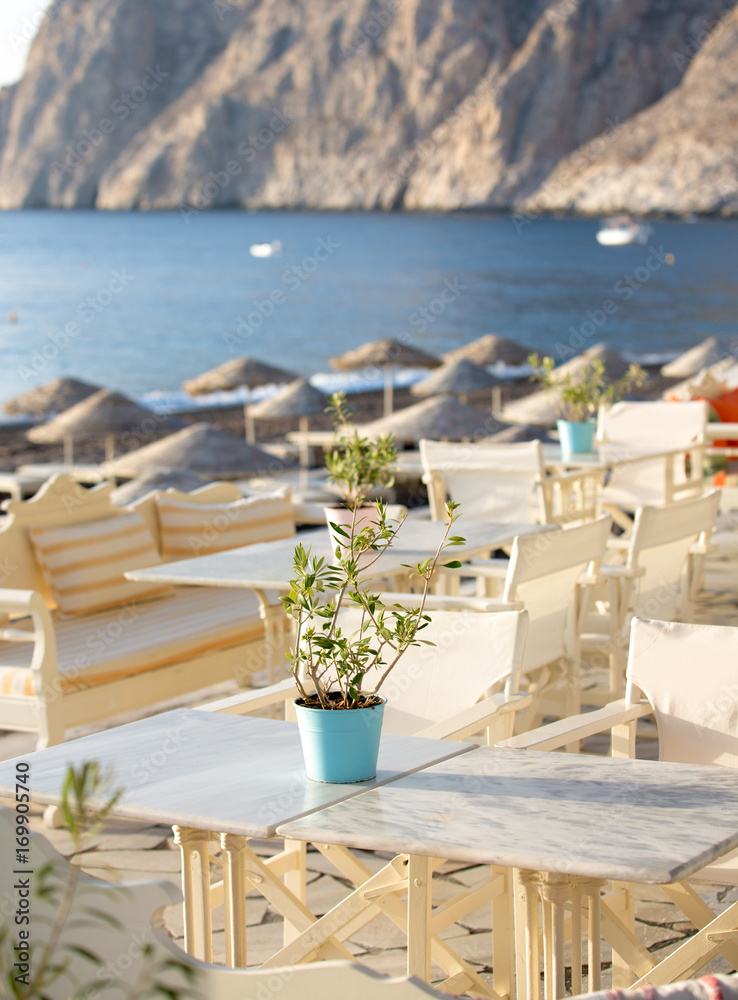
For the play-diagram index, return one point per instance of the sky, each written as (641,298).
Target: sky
(19,22)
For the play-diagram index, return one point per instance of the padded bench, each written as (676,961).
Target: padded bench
(80,643)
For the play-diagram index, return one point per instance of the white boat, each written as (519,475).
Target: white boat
(273,249)
(623,230)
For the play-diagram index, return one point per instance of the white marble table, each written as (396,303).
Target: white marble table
(267,567)
(238,775)
(567,822)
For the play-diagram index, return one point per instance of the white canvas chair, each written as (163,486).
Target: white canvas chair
(545,575)
(506,483)
(632,428)
(661,567)
(687,674)
(440,691)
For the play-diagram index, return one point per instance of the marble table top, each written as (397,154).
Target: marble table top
(637,820)
(269,565)
(208,771)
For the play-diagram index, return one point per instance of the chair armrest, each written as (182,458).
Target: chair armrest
(449,602)
(578,727)
(591,579)
(622,572)
(617,543)
(476,717)
(20,601)
(251,701)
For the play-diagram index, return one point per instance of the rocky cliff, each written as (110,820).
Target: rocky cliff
(583,105)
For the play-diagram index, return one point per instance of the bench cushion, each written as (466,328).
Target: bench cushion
(194,529)
(136,638)
(84,563)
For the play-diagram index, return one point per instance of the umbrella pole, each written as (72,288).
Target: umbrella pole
(388,390)
(68,450)
(496,401)
(109,456)
(249,422)
(304,452)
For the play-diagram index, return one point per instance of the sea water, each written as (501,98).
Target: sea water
(142,301)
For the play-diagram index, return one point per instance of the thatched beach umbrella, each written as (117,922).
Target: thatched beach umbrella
(298,399)
(234,374)
(615,365)
(539,408)
(105,413)
(200,448)
(158,479)
(52,397)
(387,354)
(701,356)
(490,349)
(442,418)
(459,378)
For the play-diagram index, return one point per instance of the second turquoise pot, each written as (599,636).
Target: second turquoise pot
(576,438)
(340,746)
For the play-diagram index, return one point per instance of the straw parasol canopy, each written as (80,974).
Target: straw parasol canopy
(615,365)
(160,479)
(458,378)
(52,397)
(490,349)
(539,408)
(236,373)
(694,360)
(442,418)
(233,374)
(199,448)
(298,399)
(387,354)
(104,413)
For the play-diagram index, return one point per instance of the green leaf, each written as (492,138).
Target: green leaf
(454,564)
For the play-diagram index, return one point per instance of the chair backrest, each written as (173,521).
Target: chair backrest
(660,544)
(493,482)
(543,573)
(120,924)
(653,425)
(218,492)
(688,673)
(472,652)
(634,427)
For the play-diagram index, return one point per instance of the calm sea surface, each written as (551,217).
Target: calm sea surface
(140,302)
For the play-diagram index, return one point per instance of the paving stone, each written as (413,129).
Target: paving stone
(470,876)
(174,918)
(325,893)
(380,934)
(318,863)
(392,962)
(475,948)
(479,919)
(654,935)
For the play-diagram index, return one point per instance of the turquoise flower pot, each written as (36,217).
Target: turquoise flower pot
(576,438)
(340,746)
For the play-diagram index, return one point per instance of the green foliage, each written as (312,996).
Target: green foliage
(357,464)
(582,393)
(359,662)
(87,800)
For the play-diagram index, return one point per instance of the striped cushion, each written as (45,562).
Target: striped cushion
(193,529)
(137,638)
(84,563)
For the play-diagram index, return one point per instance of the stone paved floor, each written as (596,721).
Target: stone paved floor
(128,851)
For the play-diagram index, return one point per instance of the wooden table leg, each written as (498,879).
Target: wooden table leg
(193,845)
(556,893)
(234,850)
(528,955)
(419,900)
